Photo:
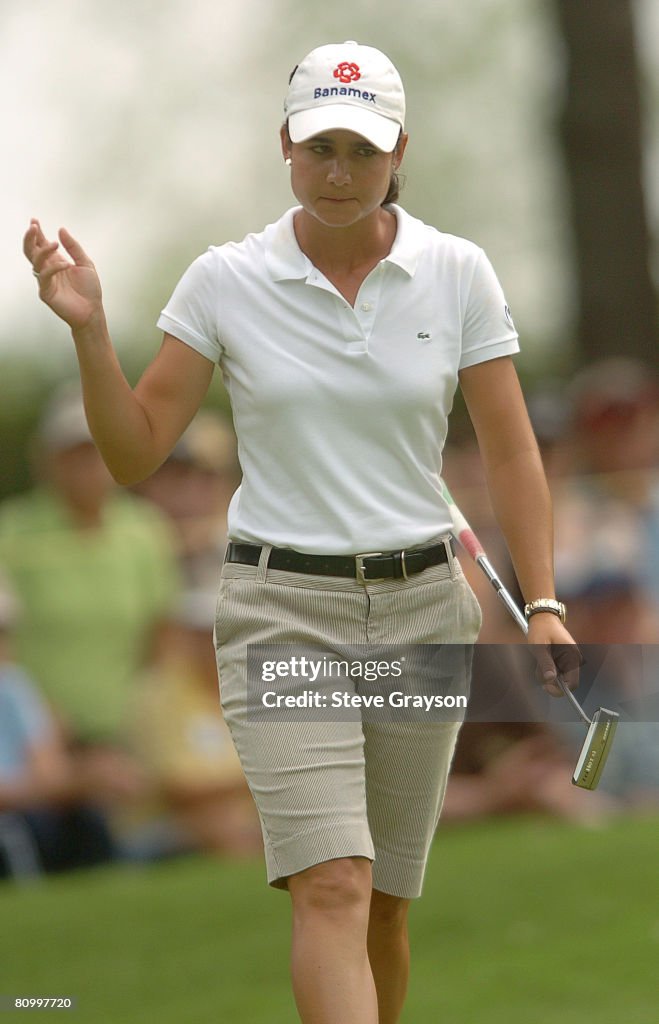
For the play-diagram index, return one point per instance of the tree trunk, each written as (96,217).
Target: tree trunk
(601,134)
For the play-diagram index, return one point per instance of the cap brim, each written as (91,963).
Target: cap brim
(66,432)
(381,131)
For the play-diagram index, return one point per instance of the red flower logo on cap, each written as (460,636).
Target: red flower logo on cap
(347,72)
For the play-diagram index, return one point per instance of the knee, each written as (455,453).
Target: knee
(342,885)
(388,913)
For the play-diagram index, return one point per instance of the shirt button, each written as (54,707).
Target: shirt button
(366,306)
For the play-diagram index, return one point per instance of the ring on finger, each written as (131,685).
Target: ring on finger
(35,272)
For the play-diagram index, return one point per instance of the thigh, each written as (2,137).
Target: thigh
(435,621)
(306,773)
(407,767)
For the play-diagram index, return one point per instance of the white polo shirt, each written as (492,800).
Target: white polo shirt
(341,413)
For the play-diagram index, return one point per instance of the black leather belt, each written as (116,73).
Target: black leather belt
(366,568)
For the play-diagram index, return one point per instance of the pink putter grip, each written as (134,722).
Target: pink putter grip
(464,533)
(461,528)
(470,543)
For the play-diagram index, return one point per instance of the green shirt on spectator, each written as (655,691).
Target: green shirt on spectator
(90,601)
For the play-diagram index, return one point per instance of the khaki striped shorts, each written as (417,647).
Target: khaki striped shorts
(327,789)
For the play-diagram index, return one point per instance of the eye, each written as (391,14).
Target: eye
(366,151)
(319,147)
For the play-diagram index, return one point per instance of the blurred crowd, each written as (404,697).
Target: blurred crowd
(599,438)
(112,743)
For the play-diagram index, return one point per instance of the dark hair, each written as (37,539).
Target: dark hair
(395,182)
(393,192)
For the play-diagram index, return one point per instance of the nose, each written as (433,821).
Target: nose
(339,172)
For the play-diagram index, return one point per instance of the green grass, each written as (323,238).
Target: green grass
(522,922)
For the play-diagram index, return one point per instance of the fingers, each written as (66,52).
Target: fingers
(568,660)
(555,653)
(33,239)
(48,258)
(50,268)
(47,261)
(42,254)
(558,659)
(546,669)
(74,249)
(39,251)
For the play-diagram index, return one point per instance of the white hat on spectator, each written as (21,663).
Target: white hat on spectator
(64,423)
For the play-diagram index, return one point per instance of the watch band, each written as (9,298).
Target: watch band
(545,604)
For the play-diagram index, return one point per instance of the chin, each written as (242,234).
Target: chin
(337,215)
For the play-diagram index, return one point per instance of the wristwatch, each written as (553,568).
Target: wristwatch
(545,604)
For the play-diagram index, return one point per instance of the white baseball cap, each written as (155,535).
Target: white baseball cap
(346,85)
(64,423)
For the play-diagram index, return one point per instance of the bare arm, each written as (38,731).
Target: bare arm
(47,778)
(517,485)
(514,471)
(134,429)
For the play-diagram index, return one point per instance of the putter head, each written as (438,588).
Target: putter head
(595,749)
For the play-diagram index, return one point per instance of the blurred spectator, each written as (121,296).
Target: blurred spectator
(607,527)
(185,744)
(608,602)
(193,489)
(181,735)
(600,445)
(607,513)
(549,411)
(95,574)
(43,824)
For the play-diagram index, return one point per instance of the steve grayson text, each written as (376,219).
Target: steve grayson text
(344,699)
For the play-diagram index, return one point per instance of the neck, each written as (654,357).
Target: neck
(346,250)
(85,517)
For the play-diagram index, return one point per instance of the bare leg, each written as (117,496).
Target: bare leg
(332,978)
(389,953)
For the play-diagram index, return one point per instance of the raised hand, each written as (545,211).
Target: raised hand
(70,286)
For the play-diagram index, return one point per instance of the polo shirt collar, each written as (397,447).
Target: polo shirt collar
(407,244)
(285,260)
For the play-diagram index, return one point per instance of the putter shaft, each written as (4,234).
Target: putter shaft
(494,579)
(601,729)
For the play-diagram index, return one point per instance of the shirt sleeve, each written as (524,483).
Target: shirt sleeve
(31,717)
(488,331)
(159,572)
(191,315)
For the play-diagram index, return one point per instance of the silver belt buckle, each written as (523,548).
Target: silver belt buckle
(359,568)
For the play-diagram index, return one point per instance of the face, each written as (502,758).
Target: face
(339,177)
(80,476)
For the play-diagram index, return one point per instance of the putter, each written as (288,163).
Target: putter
(602,726)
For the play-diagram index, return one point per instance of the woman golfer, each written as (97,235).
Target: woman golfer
(342,332)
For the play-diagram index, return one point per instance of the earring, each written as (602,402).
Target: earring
(288,161)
